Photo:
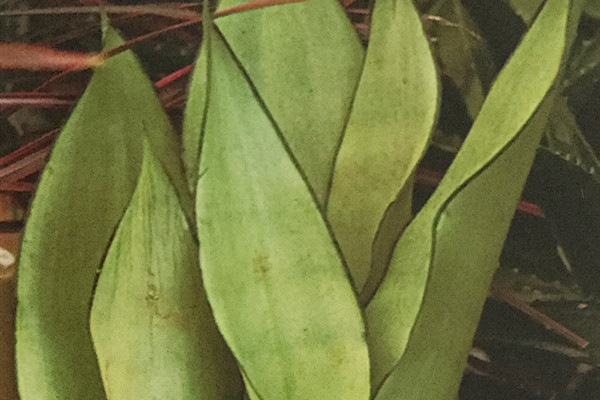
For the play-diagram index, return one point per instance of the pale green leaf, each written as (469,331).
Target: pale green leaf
(151,324)
(275,282)
(305,61)
(422,319)
(81,197)
(388,131)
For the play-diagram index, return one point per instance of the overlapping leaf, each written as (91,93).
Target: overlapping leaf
(197,104)
(305,60)
(388,130)
(150,321)
(276,283)
(81,197)
(422,318)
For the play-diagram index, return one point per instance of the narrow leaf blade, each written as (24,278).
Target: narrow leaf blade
(423,317)
(150,321)
(388,131)
(81,197)
(274,279)
(305,61)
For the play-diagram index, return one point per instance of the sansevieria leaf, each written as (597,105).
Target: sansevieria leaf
(81,197)
(392,117)
(150,321)
(422,319)
(305,61)
(277,286)
(197,104)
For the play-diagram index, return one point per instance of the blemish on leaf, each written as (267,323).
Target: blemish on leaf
(261,264)
(151,294)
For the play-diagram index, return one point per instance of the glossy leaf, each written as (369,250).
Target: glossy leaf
(305,61)
(387,133)
(81,197)
(150,321)
(275,282)
(422,319)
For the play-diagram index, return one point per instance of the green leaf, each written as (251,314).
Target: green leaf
(526,9)
(275,282)
(593,8)
(195,115)
(388,131)
(197,104)
(150,321)
(564,138)
(422,319)
(462,55)
(81,197)
(305,61)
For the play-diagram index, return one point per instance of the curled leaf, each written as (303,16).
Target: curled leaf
(423,317)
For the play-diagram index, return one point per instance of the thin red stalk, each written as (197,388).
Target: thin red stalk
(364,27)
(125,46)
(251,5)
(160,10)
(31,101)
(24,167)
(43,142)
(539,316)
(17,187)
(173,76)
(52,79)
(362,11)
(35,57)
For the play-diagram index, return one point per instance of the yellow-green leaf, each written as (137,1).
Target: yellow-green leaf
(275,282)
(388,131)
(305,61)
(151,324)
(422,319)
(81,197)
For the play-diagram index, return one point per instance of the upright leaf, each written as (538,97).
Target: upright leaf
(275,282)
(197,104)
(150,321)
(305,61)
(422,319)
(81,197)
(388,130)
